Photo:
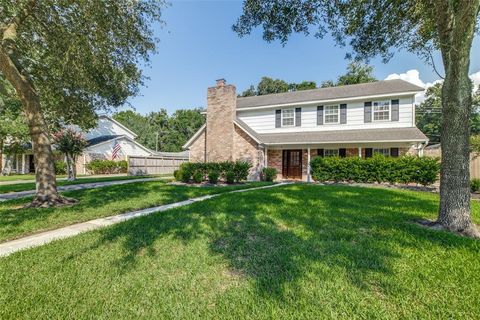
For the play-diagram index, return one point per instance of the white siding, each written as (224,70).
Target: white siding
(263,121)
(128,149)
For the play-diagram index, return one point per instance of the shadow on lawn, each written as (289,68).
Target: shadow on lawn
(277,236)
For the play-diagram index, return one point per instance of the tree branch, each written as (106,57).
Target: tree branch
(433,65)
(10,31)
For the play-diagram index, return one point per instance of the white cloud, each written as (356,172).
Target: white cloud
(413,76)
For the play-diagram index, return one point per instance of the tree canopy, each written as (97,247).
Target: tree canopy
(357,72)
(159,131)
(269,85)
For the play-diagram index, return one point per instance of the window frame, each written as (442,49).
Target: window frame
(375,151)
(325,114)
(382,103)
(293,117)
(335,154)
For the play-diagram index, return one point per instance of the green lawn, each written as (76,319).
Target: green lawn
(25,186)
(94,203)
(294,252)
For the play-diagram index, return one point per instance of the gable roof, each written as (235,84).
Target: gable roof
(108,138)
(378,88)
(100,139)
(104,116)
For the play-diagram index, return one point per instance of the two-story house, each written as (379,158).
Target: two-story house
(286,130)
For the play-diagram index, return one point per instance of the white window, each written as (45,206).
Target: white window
(382,151)
(332,114)
(330,152)
(288,117)
(381,111)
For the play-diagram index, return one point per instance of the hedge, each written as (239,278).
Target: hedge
(99,166)
(60,167)
(238,170)
(407,169)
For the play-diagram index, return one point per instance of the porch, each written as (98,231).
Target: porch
(293,162)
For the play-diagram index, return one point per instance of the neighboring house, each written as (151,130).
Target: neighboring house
(286,130)
(101,141)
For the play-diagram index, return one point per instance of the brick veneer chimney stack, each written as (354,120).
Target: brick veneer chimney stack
(221,105)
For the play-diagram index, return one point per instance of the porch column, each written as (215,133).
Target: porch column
(308,165)
(265,158)
(359,152)
(23,163)
(420,150)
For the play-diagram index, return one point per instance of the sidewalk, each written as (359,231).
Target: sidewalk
(91,185)
(39,239)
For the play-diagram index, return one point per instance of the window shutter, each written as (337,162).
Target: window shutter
(278,118)
(319,115)
(298,117)
(342,152)
(343,113)
(395,110)
(394,152)
(367,114)
(320,152)
(368,152)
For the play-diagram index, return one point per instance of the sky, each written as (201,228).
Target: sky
(197,46)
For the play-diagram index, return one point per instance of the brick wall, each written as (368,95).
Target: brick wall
(246,149)
(221,104)
(197,149)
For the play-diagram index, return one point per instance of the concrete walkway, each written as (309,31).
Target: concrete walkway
(91,185)
(39,239)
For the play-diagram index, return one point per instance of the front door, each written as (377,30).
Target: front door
(292,164)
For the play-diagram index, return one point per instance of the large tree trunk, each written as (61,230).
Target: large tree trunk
(46,187)
(70,167)
(455,25)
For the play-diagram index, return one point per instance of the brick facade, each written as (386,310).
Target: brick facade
(197,149)
(246,149)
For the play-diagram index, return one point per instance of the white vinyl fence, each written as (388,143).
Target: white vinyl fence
(154,165)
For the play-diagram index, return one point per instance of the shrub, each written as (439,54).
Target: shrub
(376,169)
(177,174)
(186,172)
(99,166)
(475,185)
(60,167)
(230,177)
(198,177)
(213,176)
(240,170)
(269,174)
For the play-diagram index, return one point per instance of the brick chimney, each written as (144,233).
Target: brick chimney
(221,111)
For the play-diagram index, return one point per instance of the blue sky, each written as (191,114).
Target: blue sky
(197,46)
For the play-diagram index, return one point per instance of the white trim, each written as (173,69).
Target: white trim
(119,124)
(246,131)
(393,94)
(194,137)
(389,110)
(293,118)
(341,142)
(325,114)
(308,165)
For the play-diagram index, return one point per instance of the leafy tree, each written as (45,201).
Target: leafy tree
(13,130)
(373,28)
(138,124)
(71,144)
(182,125)
(67,59)
(429,114)
(268,85)
(357,72)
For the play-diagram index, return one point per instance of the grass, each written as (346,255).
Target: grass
(16,221)
(294,252)
(25,186)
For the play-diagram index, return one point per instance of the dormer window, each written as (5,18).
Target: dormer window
(332,114)
(288,117)
(381,111)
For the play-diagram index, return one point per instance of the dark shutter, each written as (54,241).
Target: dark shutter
(367,114)
(368,152)
(278,118)
(394,152)
(395,110)
(298,117)
(343,113)
(319,115)
(320,152)
(342,152)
